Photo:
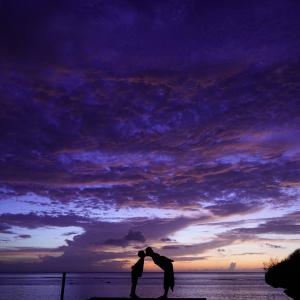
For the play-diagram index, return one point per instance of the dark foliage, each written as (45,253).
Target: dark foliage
(286,274)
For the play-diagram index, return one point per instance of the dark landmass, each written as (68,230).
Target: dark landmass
(286,274)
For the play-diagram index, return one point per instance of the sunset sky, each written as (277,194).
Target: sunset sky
(127,124)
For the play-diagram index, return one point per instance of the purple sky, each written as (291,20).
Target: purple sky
(126,124)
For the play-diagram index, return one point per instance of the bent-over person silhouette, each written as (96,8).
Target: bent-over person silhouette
(166,265)
(136,272)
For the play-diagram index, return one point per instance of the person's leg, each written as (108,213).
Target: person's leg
(134,281)
(166,286)
(166,292)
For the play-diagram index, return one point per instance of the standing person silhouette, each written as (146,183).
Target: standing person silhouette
(166,265)
(136,272)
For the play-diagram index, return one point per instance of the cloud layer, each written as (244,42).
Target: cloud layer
(136,122)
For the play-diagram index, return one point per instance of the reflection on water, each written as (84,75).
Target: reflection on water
(80,286)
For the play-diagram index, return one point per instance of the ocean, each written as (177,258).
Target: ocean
(81,286)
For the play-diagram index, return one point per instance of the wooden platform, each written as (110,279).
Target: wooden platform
(98,298)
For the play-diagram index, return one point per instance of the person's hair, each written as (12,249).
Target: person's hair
(141,253)
(149,250)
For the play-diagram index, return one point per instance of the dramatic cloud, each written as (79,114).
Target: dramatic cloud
(135,236)
(274,246)
(36,221)
(289,224)
(127,124)
(24,236)
(232,267)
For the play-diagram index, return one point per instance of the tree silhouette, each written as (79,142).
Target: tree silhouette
(285,274)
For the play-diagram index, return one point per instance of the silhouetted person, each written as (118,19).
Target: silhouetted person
(166,265)
(286,274)
(136,272)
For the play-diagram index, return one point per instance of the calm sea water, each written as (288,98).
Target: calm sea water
(81,286)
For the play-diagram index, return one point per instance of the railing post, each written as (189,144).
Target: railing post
(62,291)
